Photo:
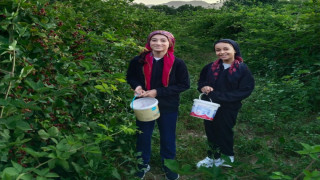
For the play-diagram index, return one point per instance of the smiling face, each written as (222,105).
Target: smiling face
(225,51)
(159,43)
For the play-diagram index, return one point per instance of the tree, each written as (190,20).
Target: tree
(189,7)
(164,8)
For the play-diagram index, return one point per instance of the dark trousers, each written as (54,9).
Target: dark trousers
(219,132)
(167,128)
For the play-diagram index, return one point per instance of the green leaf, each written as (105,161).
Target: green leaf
(279,175)
(77,167)
(43,134)
(93,149)
(41,178)
(116,174)
(17,166)
(91,163)
(32,84)
(172,164)
(103,88)
(25,71)
(52,164)
(54,140)
(34,153)
(23,126)
(52,175)
(114,88)
(25,176)
(311,175)
(63,80)
(303,71)
(41,172)
(213,172)
(63,145)
(86,65)
(5,134)
(33,106)
(309,149)
(127,130)
(12,46)
(4,102)
(121,80)
(4,40)
(63,163)
(19,103)
(11,122)
(53,131)
(100,87)
(105,127)
(22,31)
(10,172)
(186,169)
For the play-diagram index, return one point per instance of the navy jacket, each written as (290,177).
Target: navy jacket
(228,92)
(168,97)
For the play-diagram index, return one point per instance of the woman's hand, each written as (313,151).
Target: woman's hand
(139,91)
(206,89)
(151,93)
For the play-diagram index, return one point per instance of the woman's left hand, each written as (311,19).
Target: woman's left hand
(151,93)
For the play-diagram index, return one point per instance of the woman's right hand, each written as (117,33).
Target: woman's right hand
(139,92)
(206,89)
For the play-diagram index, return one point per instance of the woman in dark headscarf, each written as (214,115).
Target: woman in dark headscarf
(226,81)
(159,74)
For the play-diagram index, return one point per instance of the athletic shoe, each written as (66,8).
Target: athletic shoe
(206,162)
(170,175)
(222,162)
(143,169)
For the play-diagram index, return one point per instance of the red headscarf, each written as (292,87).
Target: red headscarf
(168,59)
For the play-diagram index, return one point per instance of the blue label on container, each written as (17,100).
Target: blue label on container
(154,108)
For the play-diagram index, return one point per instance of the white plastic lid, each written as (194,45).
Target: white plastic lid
(144,103)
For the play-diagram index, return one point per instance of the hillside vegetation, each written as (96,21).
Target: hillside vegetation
(64,102)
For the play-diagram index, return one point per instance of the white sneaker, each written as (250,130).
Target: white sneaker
(206,162)
(222,162)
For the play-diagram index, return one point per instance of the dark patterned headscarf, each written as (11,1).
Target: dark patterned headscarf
(215,68)
(232,43)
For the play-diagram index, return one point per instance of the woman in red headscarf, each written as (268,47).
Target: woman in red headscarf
(157,73)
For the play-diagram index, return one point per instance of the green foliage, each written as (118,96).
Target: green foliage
(276,41)
(236,3)
(165,9)
(173,11)
(63,92)
(64,99)
(188,7)
(314,153)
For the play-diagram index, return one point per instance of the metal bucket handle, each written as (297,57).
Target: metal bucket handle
(201,96)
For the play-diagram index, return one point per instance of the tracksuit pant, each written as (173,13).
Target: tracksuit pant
(167,128)
(220,134)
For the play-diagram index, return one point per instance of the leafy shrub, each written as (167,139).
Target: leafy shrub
(64,101)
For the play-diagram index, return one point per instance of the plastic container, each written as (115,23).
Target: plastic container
(145,109)
(204,109)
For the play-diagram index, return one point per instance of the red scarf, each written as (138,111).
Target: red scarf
(168,60)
